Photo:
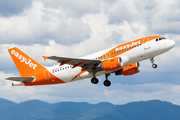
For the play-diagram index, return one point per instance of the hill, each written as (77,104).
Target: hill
(39,110)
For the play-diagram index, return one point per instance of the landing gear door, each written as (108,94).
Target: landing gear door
(47,75)
(146,43)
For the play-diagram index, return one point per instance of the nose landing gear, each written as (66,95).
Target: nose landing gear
(153,64)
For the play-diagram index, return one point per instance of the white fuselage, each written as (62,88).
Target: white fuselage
(142,52)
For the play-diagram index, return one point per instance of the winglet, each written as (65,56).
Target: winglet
(45,57)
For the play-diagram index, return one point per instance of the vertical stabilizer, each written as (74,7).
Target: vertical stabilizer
(25,64)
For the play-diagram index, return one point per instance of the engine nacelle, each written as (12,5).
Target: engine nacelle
(112,64)
(124,60)
(129,70)
(115,64)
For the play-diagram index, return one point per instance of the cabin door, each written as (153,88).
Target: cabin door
(47,75)
(146,43)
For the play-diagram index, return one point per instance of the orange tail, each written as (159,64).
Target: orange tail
(25,64)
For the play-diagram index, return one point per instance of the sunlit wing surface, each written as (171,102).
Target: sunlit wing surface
(74,61)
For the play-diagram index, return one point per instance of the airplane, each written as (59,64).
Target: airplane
(121,60)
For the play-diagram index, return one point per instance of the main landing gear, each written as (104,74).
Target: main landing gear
(153,64)
(94,80)
(107,83)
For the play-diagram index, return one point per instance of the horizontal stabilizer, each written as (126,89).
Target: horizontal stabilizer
(21,79)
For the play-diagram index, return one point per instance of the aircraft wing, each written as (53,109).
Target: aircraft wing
(75,61)
(21,79)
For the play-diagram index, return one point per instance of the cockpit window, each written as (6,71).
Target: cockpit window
(158,39)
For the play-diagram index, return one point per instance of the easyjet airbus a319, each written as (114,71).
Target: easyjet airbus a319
(122,60)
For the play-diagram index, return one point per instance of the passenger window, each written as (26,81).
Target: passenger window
(119,51)
(160,38)
(156,39)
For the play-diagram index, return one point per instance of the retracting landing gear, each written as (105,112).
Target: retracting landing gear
(153,64)
(107,83)
(94,80)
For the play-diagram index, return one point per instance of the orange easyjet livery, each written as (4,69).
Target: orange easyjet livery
(121,60)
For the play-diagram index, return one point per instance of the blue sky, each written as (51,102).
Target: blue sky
(77,28)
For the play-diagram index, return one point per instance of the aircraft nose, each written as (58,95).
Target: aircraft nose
(171,43)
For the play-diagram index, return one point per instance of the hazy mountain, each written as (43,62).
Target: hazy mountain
(38,110)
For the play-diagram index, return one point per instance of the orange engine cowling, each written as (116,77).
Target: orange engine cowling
(129,70)
(112,64)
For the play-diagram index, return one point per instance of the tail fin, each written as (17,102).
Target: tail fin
(25,64)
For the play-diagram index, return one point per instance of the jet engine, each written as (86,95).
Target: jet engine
(115,63)
(129,70)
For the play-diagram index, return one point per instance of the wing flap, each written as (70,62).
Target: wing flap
(21,79)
